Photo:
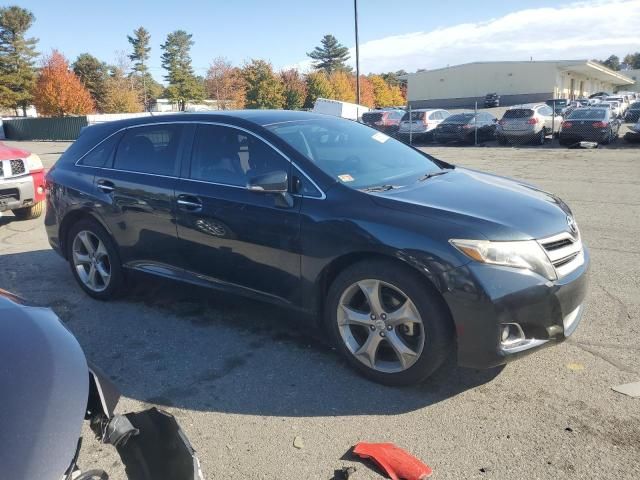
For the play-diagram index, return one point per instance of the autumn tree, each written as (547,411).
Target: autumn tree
(318,86)
(17,56)
(381,91)
(58,91)
(121,96)
(94,75)
(398,95)
(176,59)
(225,84)
(140,56)
(367,97)
(330,56)
(264,87)
(295,89)
(343,86)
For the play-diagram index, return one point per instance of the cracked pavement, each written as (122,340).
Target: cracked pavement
(244,379)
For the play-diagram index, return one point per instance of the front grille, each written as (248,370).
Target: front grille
(17,167)
(565,252)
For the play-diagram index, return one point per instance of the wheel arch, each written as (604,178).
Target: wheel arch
(70,219)
(339,264)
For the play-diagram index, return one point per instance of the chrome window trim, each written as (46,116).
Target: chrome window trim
(201,122)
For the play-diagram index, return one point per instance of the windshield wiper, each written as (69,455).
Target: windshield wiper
(378,188)
(427,176)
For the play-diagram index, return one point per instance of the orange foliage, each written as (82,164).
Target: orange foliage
(58,91)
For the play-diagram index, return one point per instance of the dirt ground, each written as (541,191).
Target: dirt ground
(244,379)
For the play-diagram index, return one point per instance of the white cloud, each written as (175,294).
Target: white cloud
(584,30)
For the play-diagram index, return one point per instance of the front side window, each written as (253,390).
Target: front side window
(354,154)
(150,149)
(229,156)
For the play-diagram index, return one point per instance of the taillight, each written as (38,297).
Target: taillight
(567,124)
(532,121)
(600,124)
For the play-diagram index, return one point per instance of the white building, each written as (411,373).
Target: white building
(515,82)
(633,75)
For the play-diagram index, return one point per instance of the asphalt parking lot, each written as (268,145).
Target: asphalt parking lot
(244,379)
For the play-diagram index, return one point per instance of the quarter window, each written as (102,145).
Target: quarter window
(231,157)
(151,149)
(101,155)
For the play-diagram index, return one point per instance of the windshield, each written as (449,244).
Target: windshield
(635,106)
(588,114)
(354,154)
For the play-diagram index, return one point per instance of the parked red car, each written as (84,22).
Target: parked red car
(21,183)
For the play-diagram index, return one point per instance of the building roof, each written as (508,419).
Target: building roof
(594,69)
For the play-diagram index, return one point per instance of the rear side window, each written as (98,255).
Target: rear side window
(588,114)
(150,149)
(518,113)
(102,154)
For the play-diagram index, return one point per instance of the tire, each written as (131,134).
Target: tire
(427,342)
(106,260)
(502,141)
(542,136)
(29,213)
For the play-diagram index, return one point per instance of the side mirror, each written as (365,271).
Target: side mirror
(272,182)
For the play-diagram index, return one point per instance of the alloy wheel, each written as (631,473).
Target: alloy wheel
(380,326)
(91,261)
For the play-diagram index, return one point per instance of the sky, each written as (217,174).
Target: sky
(406,34)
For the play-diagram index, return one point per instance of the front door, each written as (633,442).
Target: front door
(136,194)
(228,234)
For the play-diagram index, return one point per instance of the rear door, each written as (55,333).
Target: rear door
(136,194)
(228,234)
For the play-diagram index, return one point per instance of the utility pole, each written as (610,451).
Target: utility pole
(355,11)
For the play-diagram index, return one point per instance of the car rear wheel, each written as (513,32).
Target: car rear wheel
(94,260)
(387,323)
(502,140)
(29,213)
(542,136)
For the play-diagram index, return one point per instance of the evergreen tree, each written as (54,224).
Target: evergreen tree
(330,56)
(176,59)
(613,62)
(94,75)
(632,60)
(140,55)
(17,55)
(264,88)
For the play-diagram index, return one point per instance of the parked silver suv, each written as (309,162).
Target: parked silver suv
(421,122)
(531,122)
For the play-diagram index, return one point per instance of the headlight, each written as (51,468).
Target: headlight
(34,162)
(523,254)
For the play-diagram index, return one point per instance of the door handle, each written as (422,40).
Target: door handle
(105,186)
(189,203)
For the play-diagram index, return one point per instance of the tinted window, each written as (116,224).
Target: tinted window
(635,106)
(102,154)
(460,117)
(414,116)
(545,111)
(230,156)
(152,149)
(588,114)
(354,154)
(518,113)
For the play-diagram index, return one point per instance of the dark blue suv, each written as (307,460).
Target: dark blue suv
(400,257)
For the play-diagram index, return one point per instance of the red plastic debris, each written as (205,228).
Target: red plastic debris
(395,462)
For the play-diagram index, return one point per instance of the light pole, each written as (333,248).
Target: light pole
(355,11)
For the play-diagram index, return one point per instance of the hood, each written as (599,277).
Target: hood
(10,153)
(499,208)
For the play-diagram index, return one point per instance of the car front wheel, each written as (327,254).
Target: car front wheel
(94,260)
(389,324)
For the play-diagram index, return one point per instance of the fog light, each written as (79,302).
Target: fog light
(511,333)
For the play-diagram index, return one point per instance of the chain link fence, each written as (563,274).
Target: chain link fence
(580,123)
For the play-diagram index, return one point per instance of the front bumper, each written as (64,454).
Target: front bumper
(20,192)
(483,299)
